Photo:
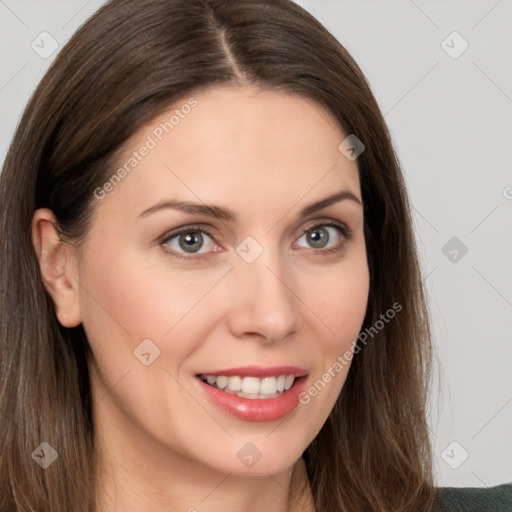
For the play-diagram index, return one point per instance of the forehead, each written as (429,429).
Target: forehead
(239,145)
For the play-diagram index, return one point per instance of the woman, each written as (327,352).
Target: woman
(203,213)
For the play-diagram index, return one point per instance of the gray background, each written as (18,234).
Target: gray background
(451,119)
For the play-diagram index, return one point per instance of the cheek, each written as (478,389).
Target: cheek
(131,301)
(338,297)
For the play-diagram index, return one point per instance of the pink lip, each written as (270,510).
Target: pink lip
(259,371)
(270,409)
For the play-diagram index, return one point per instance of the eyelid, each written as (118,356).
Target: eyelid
(345,231)
(173,233)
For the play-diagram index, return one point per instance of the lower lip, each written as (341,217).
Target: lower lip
(265,409)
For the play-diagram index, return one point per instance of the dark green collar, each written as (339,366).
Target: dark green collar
(475,499)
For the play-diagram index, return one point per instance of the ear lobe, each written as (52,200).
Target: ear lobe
(59,272)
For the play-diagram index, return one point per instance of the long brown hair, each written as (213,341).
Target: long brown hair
(125,65)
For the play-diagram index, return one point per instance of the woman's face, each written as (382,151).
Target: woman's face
(259,296)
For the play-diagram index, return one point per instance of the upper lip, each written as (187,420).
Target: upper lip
(258,371)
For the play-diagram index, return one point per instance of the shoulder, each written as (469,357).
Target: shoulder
(476,499)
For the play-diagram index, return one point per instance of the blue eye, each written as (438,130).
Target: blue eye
(320,235)
(196,242)
(190,240)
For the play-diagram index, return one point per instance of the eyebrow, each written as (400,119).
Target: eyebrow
(225,214)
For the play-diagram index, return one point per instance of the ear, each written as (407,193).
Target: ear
(58,267)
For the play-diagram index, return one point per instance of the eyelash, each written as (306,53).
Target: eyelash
(343,229)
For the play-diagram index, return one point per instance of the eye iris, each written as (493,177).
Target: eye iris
(191,240)
(318,237)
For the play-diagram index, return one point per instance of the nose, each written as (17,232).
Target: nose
(263,304)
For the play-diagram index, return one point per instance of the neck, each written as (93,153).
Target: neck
(136,474)
(145,487)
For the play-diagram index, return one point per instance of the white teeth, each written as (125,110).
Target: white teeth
(268,386)
(235,383)
(251,387)
(222,381)
(280,383)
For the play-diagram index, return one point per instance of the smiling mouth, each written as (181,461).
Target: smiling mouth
(250,387)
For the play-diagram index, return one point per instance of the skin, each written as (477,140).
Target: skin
(163,445)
